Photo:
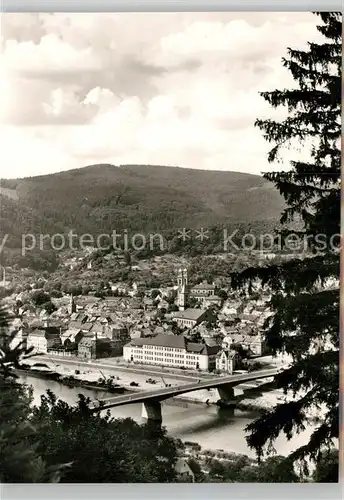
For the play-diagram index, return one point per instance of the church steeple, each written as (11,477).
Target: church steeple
(182,288)
(72,305)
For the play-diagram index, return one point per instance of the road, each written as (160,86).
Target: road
(117,368)
(170,392)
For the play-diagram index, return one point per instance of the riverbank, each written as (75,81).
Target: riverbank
(84,374)
(107,385)
(213,428)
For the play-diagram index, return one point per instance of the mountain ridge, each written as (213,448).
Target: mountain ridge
(101,197)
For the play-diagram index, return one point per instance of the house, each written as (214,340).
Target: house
(78,325)
(139,286)
(116,347)
(159,330)
(184,471)
(202,290)
(119,331)
(121,288)
(211,300)
(232,307)
(171,350)
(116,332)
(85,301)
(92,348)
(87,348)
(44,339)
(189,318)
(135,333)
(100,330)
(79,316)
(163,304)
(226,360)
(70,337)
(110,304)
(258,345)
(168,293)
(254,344)
(248,318)
(106,320)
(146,332)
(148,304)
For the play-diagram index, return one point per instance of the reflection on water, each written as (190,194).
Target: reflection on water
(211,427)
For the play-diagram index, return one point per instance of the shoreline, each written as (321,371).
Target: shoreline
(90,375)
(192,450)
(71,381)
(91,380)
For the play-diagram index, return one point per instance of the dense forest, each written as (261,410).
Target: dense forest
(139,199)
(102,198)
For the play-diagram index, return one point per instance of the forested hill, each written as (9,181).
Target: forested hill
(100,198)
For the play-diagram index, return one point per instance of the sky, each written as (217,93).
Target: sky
(178,89)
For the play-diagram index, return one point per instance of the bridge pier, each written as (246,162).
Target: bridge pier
(151,411)
(226,392)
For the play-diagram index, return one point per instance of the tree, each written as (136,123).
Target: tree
(195,337)
(49,307)
(222,294)
(241,470)
(306,312)
(102,449)
(194,302)
(19,460)
(197,470)
(39,297)
(327,470)
(276,470)
(176,330)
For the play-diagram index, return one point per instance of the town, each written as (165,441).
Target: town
(188,327)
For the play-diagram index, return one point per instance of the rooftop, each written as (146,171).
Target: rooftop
(45,332)
(72,332)
(203,286)
(176,342)
(192,314)
(161,340)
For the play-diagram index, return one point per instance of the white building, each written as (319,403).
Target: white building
(225,361)
(44,339)
(171,350)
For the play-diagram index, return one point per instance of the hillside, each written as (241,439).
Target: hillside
(101,198)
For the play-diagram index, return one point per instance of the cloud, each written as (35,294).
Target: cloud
(51,55)
(175,89)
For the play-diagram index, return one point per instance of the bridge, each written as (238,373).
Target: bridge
(151,400)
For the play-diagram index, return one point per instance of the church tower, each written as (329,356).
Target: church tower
(181,301)
(182,288)
(72,305)
(183,277)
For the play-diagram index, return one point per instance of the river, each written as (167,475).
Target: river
(211,427)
